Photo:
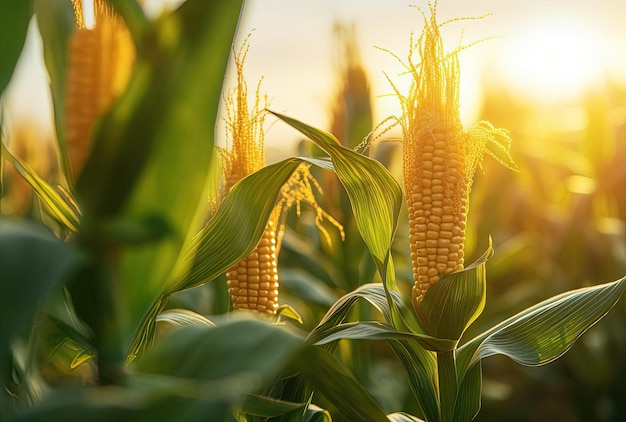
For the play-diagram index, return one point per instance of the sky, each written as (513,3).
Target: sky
(543,50)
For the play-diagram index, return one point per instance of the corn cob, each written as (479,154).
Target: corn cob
(100,63)
(253,281)
(439,160)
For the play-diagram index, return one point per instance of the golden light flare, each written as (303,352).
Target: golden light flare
(552,60)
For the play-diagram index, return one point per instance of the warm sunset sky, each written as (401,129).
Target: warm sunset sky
(545,50)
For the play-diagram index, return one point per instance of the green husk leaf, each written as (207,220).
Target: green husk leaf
(237,226)
(455,301)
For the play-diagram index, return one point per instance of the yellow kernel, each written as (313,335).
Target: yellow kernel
(445,234)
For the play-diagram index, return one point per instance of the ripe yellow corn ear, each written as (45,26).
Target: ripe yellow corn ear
(100,64)
(439,159)
(437,193)
(253,281)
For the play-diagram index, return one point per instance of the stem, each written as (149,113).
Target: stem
(448,388)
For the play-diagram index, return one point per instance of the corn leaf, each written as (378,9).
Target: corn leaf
(55,19)
(544,332)
(374,194)
(14,18)
(373,293)
(468,399)
(420,367)
(316,414)
(176,399)
(403,417)
(453,303)
(32,262)
(183,317)
(371,330)
(329,377)
(242,353)
(61,208)
(267,407)
(152,151)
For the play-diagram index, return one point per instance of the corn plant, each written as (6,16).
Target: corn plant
(91,290)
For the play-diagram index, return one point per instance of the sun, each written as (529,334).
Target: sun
(552,61)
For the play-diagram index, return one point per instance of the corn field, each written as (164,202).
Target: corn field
(149,273)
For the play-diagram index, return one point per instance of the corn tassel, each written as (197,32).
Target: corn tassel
(100,64)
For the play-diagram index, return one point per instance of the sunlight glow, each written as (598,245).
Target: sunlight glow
(552,61)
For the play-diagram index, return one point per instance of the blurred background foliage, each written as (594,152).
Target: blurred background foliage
(558,224)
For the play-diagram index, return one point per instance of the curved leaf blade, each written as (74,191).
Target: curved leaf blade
(64,211)
(544,332)
(403,417)
(420,366)
(237,226)
(244,353)
(268,407)
(455,301)
(374,194)
(370,330)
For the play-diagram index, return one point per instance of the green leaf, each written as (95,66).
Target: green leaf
(183,317)
(373,293)
(544,332)
(403,417)
(56,21)
(455,301)
(468,398)
(368,330)
(329,377)
(420,367)
(267,406)
(242,353)
(14,18)
(316,414)
(32,263)
(237,226)
(289,311)
(62,208)
(165,399)
(374,194)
